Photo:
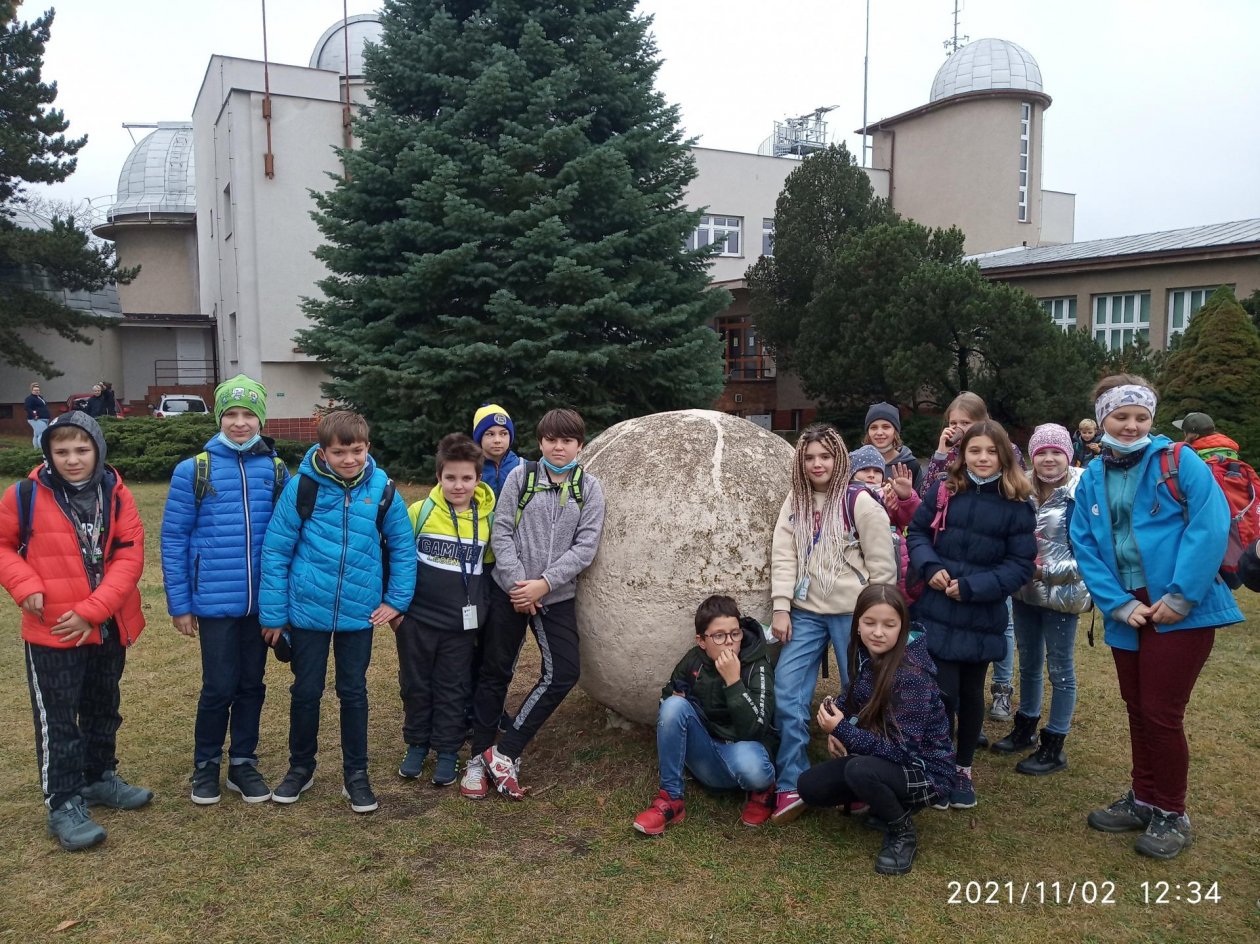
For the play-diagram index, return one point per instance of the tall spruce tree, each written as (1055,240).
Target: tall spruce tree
(35,150)
(511,226)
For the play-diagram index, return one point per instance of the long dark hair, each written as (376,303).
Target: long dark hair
(876,714)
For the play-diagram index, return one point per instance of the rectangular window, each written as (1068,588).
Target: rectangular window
(723,230)
(745,357)
(1025,140)
(1182,304)
(1062,311)
(1120,320)
(767,237)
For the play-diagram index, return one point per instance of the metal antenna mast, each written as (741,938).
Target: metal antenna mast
(953,44)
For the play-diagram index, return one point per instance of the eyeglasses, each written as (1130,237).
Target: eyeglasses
(723,638)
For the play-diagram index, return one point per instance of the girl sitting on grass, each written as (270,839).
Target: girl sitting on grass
(889,733)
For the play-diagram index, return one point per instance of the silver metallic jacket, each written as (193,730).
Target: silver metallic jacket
(1060,586)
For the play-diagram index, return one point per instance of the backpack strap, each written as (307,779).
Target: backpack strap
(531,486)
(1169,472)
(281,479)
(26,514)
(426,509)
(201,478)
(851,493)
(308,490)
(382,507)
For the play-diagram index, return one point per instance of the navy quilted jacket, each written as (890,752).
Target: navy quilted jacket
(988,545)
(327,573)
(212,556)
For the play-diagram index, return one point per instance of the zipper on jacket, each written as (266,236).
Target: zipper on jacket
(341,567)
(249,539)
(196,573)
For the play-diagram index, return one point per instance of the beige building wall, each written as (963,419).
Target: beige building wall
(957,164)
(167,254)
(1159,278)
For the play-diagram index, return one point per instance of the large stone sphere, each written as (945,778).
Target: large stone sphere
(692,499)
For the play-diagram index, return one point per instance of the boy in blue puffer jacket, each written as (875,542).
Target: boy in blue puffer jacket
(217,512)
(325,575)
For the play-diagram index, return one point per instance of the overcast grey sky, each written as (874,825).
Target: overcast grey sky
(1155,122)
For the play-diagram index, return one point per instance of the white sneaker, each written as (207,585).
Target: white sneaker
(473,784)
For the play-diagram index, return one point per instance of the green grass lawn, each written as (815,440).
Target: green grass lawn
(565,865)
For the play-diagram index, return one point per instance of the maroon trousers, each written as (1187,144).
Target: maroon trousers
(1155,683)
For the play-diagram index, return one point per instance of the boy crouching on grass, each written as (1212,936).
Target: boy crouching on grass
(71,554)
(716,719)
(324,577)
(437,637)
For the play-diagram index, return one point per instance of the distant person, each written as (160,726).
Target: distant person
(1195,426)
(110,401)
(95,406)
(36,414)
(1085,444)
(71,553)
(716,719)
(883,431)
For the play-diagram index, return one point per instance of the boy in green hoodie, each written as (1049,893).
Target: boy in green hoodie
(716,719)
(437,636)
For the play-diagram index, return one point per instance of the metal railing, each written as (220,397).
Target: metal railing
(183,370)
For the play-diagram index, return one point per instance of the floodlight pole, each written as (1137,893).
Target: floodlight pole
(866,72)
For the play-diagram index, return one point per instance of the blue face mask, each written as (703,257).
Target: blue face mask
(1125,448)
(241,447)
(559,469)
(979,481)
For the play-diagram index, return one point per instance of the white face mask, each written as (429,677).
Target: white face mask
(1125,448)
(985,481)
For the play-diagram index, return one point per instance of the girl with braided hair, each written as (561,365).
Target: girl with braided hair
(832,539)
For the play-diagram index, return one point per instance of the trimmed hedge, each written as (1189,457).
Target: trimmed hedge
(146,449)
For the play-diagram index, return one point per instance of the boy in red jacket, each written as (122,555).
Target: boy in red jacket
(71,554)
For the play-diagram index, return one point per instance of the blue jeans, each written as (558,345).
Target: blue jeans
(1004,670)
(233,661)
(352,651)
(682,740)
(1046,635)
(795,677)
(37,431)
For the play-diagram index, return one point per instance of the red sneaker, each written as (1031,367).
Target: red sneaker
(787,806)
(758,808)
(663,812)
(857,808)
(503,773)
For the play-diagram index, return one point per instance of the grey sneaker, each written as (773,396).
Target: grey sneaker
(73,827)
(358,790)
(112,791)
(205,785)
(1165,836)
(296,782)
(248,782)
(1123,816)
(1000,710)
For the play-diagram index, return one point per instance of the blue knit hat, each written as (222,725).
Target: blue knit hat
(491,414)
(867,457)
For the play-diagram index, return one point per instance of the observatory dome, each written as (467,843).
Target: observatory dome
(987,64)
(330,51)
(158,175)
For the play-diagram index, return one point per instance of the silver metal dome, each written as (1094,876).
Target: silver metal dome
(158,175)
(330,51)
(987,64)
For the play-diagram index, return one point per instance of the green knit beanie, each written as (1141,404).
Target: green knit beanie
(240,391)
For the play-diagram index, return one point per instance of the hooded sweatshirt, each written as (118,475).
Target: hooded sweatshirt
(441,593)
(86,550)
(740,712)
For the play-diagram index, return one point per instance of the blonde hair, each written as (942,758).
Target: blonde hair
(971,404)
(1014,484)
(828,550)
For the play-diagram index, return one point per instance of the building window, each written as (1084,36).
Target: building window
(1182,304)
(767,237)
(717,229)
(745,357)
(1025,137)
(1062,311)
(1121,319)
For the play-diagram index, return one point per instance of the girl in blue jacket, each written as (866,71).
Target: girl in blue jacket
(1150,562)
(972,541)
(217,512)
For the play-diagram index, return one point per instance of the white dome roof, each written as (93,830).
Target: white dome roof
(987,64)
(330,51)
(158,176)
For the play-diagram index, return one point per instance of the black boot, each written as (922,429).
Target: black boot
(1048,758)
(1023,735)
(900,844)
